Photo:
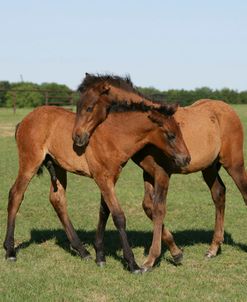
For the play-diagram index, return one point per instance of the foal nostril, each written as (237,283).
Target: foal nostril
(188,159)
(77,138)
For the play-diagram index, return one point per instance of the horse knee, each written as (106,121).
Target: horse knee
(119,220)
(147,209)
(218,194)
(57,202)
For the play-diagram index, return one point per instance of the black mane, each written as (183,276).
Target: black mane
(124,83)
(118,107)
(117,81)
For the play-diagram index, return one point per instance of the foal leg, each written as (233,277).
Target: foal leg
(108,193)
(16,195)
(58,200)
(218,190)
(232,159)
(29,162)
(99,244)
(154,205)
(238,174)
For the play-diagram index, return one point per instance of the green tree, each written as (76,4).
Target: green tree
(25,94)
(243,97)
(148,90)
(4,87)
(56,93)
(229,95)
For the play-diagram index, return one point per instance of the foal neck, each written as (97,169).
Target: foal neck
(122,95)
(134,127)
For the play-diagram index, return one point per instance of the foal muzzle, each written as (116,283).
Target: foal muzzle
(81,140)
(182,161)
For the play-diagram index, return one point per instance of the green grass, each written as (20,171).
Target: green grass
(47,271)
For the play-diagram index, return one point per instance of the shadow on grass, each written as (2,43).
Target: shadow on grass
(136,238)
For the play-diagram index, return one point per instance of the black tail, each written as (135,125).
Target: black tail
(16,129)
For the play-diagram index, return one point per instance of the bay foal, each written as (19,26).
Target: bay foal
(44,137)
(211,130)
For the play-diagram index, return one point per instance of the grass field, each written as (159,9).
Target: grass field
(46,270)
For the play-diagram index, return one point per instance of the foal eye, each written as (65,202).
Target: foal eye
(171,136)
(89,109)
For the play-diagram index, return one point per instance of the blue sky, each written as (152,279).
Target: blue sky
(164,44)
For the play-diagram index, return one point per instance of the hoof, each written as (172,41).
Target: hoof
(11,258)
(87,257)
(136,271)
(209,255)
(178,258)
(83,253)
(11,255)
(101,263)
(145,269)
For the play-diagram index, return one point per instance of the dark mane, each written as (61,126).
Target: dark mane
(121,82)
(118,107)
(124,83)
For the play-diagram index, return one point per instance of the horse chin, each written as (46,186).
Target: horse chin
(80,145)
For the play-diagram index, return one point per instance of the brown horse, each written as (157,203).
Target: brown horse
(211,130)
(44,137)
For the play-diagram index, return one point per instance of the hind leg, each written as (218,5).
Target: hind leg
(99,244)
(232,159)
(58,200)
(218,190)
(16,195)
(154,205)
(27,170)
(238,174)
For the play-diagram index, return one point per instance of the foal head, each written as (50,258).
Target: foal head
(91,111)
(97,94)
(92,106)
(170,137)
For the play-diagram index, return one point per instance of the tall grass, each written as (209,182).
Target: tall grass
(46,270)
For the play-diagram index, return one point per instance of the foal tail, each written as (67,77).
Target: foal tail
(16,129)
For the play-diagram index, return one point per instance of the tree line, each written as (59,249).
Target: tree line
(187,97)
(27,94)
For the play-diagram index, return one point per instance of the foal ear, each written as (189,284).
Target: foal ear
(105,88)
(156,118)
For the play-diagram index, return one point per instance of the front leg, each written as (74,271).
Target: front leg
(108,193)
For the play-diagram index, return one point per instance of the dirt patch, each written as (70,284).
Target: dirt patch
(7,130)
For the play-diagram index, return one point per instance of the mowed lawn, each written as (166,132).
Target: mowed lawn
(46,270)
